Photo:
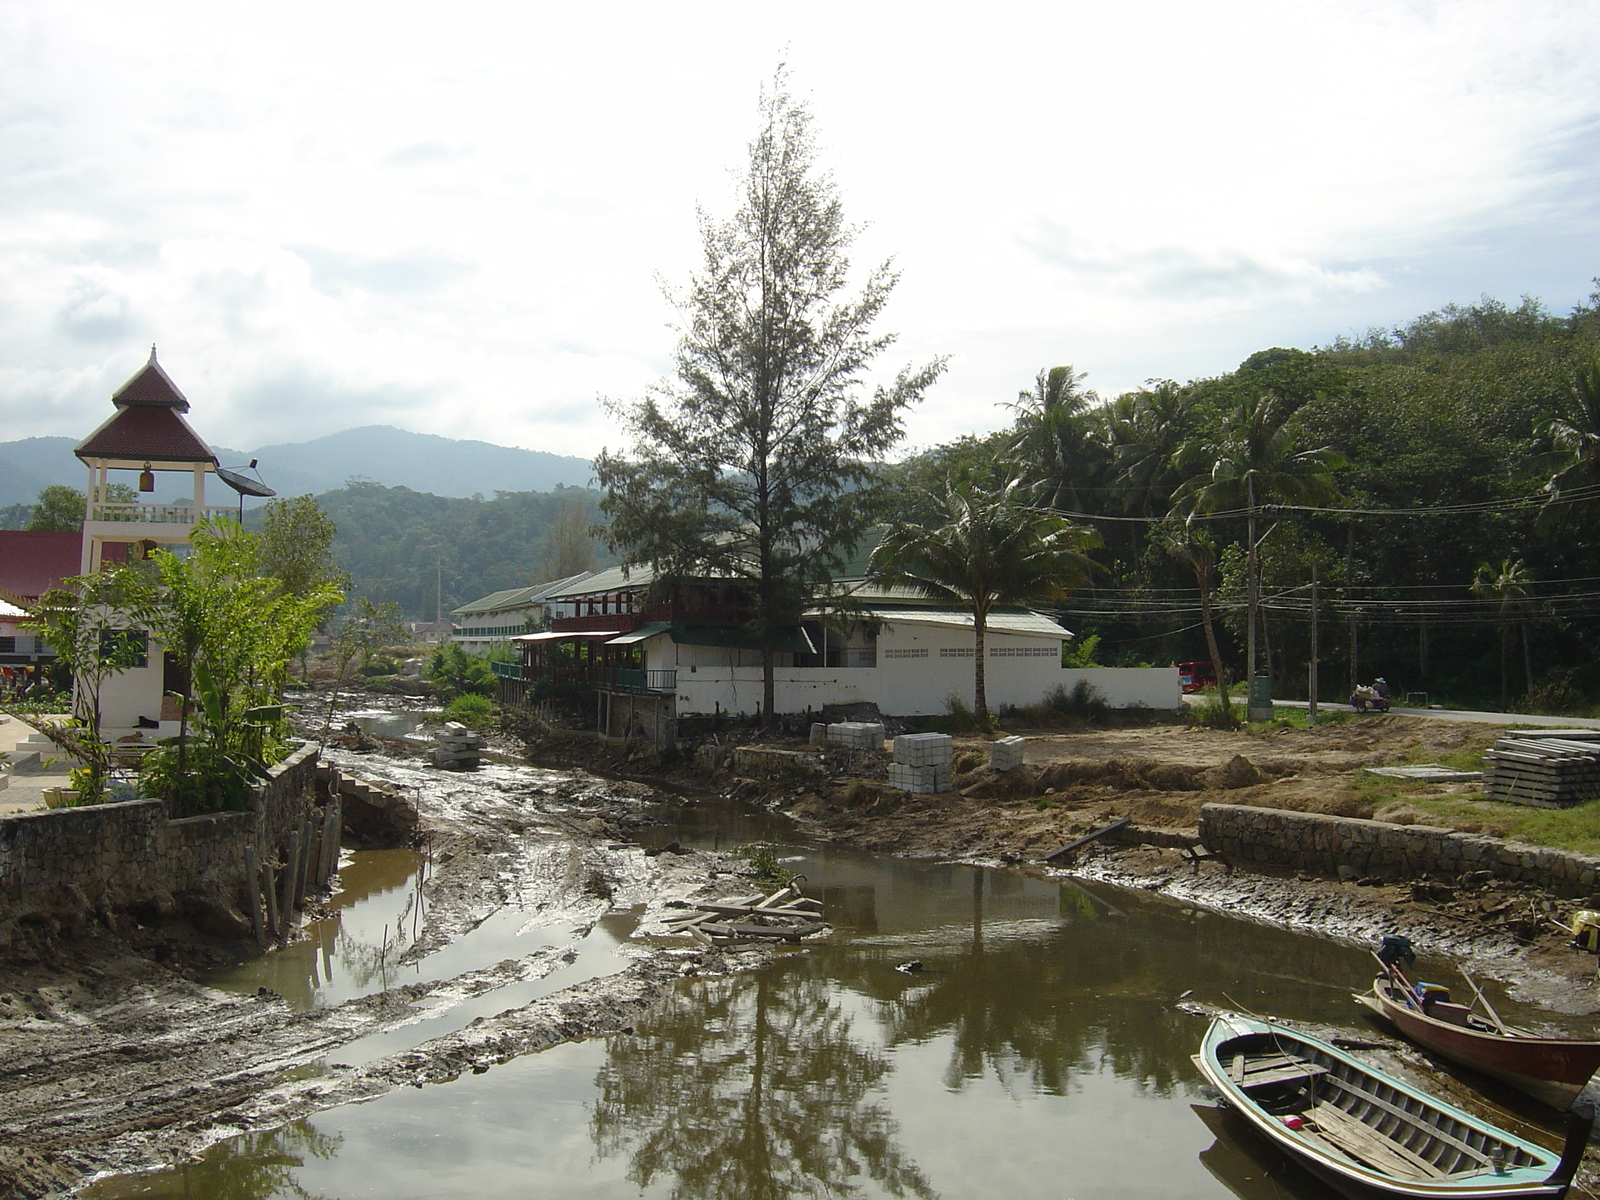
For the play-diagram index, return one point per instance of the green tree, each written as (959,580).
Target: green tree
(1053,438)
(1252,460)
(1506,583)
(95,624)
(296,547)
(992,551)
(569,543)
(1574,440)
(1196,548)
(232,632)
(753,464)
(366,629)
(57,509)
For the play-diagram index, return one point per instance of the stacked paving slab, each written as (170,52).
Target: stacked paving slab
(857,735)
(1006,754)
(922,763)
(458,749)
(1547,768)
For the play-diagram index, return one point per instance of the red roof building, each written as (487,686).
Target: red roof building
(33,563)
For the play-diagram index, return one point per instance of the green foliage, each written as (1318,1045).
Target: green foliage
(1214,714)
(1084,701)
(454,673)
(762,865)
(296,547)
(407,547)
(752,463)
(991,550)
(958,718)
(1080,654)
(58,509)
(471,710)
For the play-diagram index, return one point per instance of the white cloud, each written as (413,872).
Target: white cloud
(452,220)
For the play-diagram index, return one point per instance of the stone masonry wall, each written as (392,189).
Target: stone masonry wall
(1352,848)
(68,864)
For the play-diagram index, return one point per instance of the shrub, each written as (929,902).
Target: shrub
(764,866)
(456,673)
(1210,714)
(471,710)
(1084,700)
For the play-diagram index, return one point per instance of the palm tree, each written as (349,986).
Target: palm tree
(1196,548)
(1053,438)
(1575,441)
(992,551)
(1507,583)
(1252,460)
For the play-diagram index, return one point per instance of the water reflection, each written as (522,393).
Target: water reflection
(373,917)
(256,1166)
(750,1088)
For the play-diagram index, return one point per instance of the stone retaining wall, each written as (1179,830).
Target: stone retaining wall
(1352,848)
(70,864)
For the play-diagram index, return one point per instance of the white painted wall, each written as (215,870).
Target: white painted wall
(919,666)
(135,693)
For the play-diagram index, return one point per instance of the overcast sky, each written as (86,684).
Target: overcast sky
(454,218)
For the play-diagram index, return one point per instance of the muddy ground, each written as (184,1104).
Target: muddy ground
(113,1058)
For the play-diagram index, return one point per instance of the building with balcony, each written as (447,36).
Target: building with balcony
(500,616)
(147,433)
(651,655)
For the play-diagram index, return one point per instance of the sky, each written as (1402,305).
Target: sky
(459,219)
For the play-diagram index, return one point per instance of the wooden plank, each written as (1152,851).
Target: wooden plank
(1236,1073)
(1359,1140)
(1119,823)
(1303,1072)
(1411,1118)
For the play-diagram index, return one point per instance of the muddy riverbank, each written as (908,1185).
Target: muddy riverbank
(113,1061)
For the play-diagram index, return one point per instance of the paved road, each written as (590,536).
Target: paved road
(1457,714)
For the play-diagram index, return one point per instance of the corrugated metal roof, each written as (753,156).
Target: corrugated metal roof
(518,597)
(613,579)
(1020,623)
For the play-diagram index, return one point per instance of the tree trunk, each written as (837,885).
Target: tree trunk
(1527,662)
(1505,668)
(1203,577)
(980,696)
(769,687)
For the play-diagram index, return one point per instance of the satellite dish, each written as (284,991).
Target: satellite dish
(243,484)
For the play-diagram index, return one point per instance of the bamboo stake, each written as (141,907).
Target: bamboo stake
(291,867)
(272,901)
(252,872)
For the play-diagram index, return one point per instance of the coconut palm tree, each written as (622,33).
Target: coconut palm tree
(1575,442)
(1053,439)
(1198,550)
(1254,460)
(993,550)
(1507,584)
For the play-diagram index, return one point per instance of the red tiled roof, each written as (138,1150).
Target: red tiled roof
(153,434)
(33,563)
(150,387)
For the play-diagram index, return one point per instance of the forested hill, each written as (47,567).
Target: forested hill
(409,546)
(396,457)
(1435,552)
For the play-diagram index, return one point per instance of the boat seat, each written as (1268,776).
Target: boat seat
(1273,1074)
(1443,1010)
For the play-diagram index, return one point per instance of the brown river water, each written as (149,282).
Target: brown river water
(1036,1049)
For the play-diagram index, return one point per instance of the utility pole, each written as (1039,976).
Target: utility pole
(1311,708)
(1258,700)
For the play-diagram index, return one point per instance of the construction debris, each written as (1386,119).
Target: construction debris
(922,763)
(785,915)
(458,748)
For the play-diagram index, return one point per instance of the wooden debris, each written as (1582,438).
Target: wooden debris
(785,915)
(1119,823)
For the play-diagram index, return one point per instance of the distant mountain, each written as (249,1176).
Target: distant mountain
(393,457)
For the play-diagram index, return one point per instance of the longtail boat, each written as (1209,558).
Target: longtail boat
(1367,1133)
(1553,1070)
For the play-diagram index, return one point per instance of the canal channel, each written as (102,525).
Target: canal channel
(965,1032)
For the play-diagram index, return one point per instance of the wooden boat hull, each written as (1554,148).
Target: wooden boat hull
(1553,1070)
(1367,1133)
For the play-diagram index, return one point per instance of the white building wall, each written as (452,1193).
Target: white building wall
(918,667)
(132,694)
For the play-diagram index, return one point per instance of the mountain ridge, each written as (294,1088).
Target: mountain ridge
(423,462)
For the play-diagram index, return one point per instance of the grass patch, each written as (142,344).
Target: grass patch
(1576,829)
(1299,718)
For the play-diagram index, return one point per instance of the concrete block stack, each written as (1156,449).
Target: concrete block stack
(1006,753)
(856,735)
(458,748)
(922,763)
(1547,768)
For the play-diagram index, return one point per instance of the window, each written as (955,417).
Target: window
(1024,651)
(956,651)
(906,652)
